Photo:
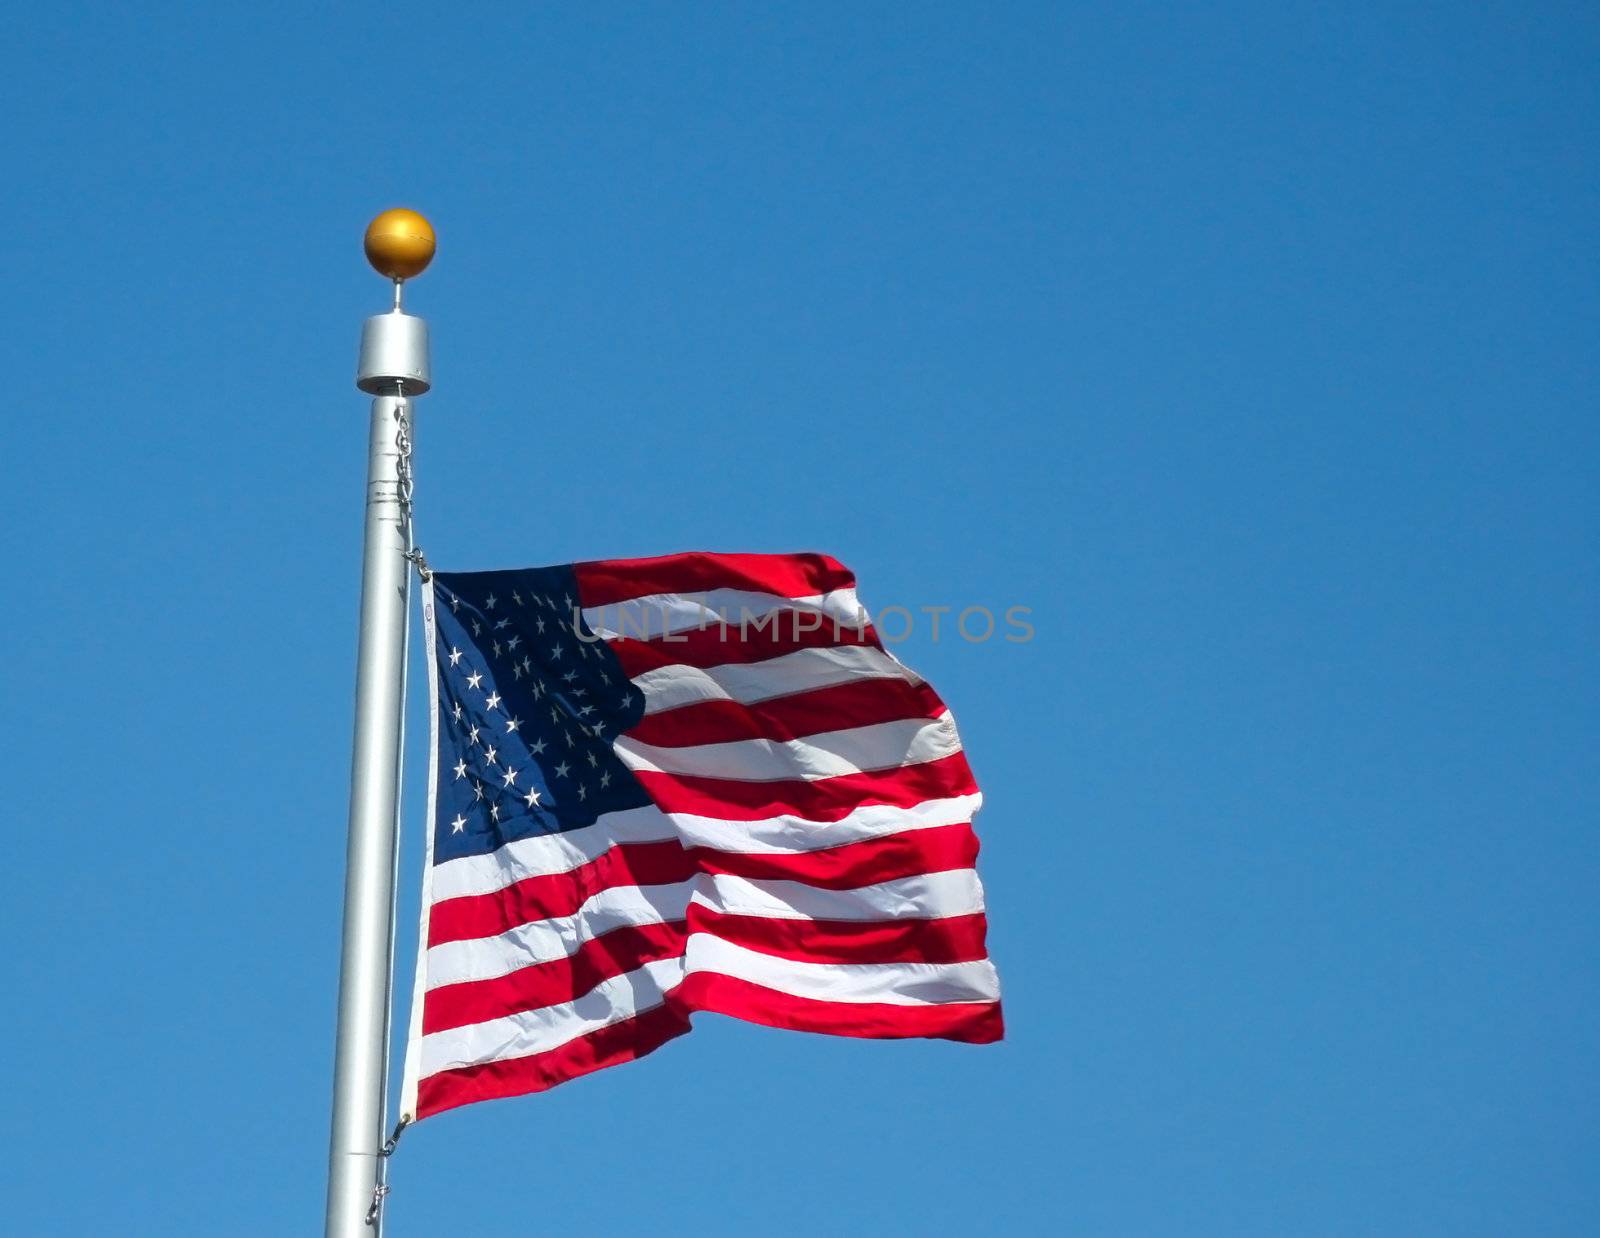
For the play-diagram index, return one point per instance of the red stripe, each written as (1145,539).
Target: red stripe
(823,799)
(954,939)
(860,702)
(941,849)
(609,1046)
(720,644)
(974,1022)
(553,982)
(557,894)
(602,582)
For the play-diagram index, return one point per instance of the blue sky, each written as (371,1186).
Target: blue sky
(1251,346)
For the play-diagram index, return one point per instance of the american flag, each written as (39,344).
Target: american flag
(695,782)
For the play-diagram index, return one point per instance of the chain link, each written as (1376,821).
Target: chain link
(376,1210)
(402,442)
(406,483)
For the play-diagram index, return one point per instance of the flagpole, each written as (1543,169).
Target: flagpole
(393,369)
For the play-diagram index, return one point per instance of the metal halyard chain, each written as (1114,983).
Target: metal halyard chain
(407,484)
(381,1190)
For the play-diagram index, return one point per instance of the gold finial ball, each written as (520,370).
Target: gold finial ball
(399,244)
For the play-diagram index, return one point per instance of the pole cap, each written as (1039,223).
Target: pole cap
(399,244)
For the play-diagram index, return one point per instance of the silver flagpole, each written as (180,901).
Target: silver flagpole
(393,369)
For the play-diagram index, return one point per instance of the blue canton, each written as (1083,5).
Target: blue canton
(529,702)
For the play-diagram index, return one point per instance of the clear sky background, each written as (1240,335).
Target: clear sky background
(1253,346)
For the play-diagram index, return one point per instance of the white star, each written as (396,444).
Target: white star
(598,727)
(511,777)
(472,736)
(516,672)
(516,597)
(458,711)
(568,736)
(586,711)
(532,797)
(459,824)
(568,599)
(583,792)
(555,653)
(477,790)
(489,756)
(477,628)
(512,724)
(514,642)
(490,601)
(569,676)
(537,748)
(502,624)
(494,812)
(497,649)
(605,679)
(580,692)
(474,679)
(594,761)
(455,602)
(538,689)
(493,702)
(461,769)
(539,625)
(455,655)
(563,770)
(605,779)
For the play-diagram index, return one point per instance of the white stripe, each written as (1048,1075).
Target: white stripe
(540,941)
(543,854)
(668,687)
(550,1027)
(898,984)
(661,614)
(927,896)
(882,745)
(787,835)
